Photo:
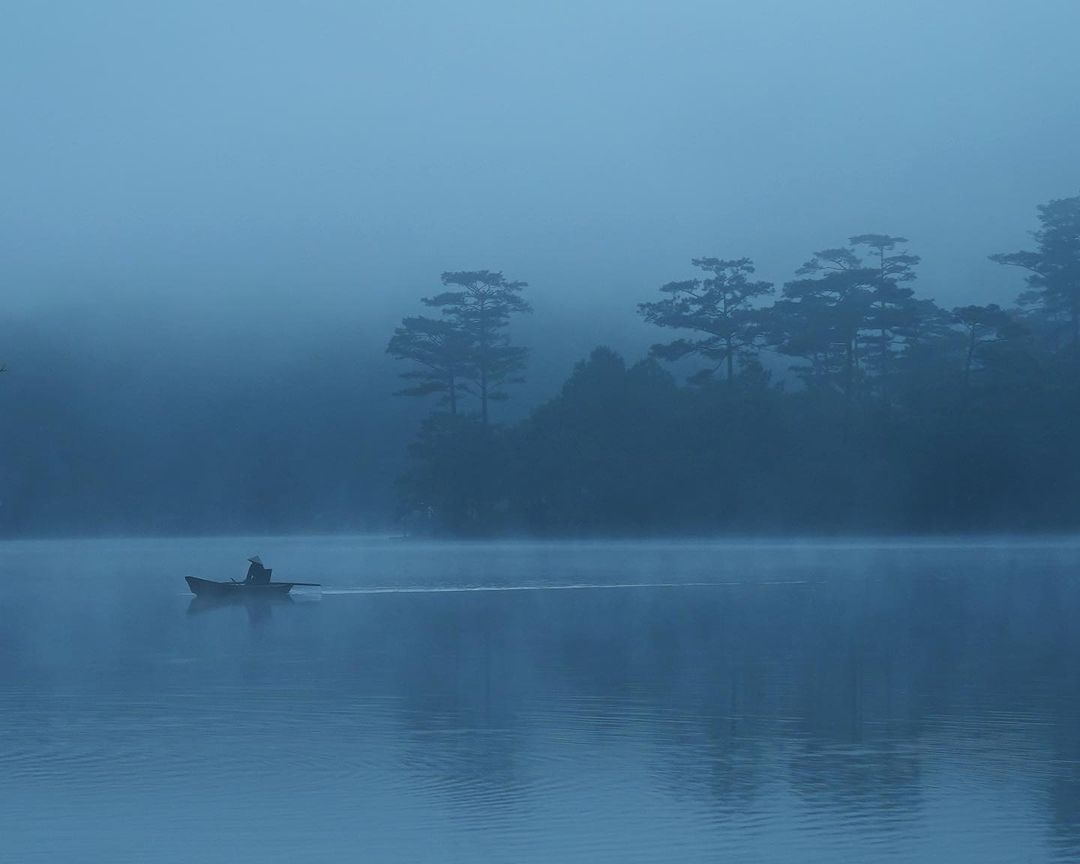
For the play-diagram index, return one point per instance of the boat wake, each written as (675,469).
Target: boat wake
(576,586)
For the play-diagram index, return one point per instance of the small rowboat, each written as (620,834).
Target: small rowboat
(207,588)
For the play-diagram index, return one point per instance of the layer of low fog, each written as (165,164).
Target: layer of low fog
(213,215)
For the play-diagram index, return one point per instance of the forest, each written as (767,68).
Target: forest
(839,401)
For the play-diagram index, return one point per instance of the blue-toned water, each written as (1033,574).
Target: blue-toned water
(542,703)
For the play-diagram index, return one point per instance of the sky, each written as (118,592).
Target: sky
(267,171)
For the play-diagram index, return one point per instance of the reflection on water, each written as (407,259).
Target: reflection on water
(258,608)
(636,703)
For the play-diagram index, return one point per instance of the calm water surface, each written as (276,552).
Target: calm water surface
(542,702)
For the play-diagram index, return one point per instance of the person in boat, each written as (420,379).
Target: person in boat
(257,574)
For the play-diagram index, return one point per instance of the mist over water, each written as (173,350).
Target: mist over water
(638,702)
(497,278)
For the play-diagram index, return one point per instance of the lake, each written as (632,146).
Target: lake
(542,702)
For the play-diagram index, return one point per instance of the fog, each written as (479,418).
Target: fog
(213,215)
(654,426)
(254,161)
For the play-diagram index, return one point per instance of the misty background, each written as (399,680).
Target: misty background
(211,218)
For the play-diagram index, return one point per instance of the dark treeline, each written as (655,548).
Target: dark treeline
(840,400)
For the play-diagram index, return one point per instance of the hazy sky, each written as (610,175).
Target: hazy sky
(287,163)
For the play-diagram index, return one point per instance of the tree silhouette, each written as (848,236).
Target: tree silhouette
(824,314)
(720,307)
(981,326)
(893,312)
(480,308)
(442,355)
(913,417)
(848,318)
(1054,270)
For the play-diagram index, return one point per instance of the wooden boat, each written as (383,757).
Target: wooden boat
(208,588)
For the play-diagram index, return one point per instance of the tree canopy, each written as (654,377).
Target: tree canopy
(719,309)
(901,415)
(467,350)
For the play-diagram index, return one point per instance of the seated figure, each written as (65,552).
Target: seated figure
(257,574)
